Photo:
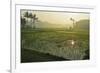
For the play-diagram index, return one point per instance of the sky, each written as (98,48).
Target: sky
(62,18)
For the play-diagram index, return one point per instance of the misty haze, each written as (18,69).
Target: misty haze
(54,36)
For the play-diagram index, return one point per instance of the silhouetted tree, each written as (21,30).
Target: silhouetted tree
(34,19)
(30,16)
(23,22)
(73,21)
(27,16)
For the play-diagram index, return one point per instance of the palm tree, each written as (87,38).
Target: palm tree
(26,15)
(30,16)
(73,21)
(23,22)
(34,19)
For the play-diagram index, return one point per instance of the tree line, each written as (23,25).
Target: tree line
(33,17)
(27,15)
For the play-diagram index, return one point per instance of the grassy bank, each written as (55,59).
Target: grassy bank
(34,56)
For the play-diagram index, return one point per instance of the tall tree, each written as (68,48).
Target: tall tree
(73,21)
(31,17)
(27,16)
(34,19)
(23,22)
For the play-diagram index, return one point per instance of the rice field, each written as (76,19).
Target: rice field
(72,45)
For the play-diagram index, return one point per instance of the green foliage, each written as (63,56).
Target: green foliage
(56,43)
(87,53)
(26,14)
(30,15)
(35,56)
(23,22)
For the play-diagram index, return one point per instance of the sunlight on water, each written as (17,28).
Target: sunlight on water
(72,42)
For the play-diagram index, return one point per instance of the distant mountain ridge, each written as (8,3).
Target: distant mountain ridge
(43,24)
(82,24)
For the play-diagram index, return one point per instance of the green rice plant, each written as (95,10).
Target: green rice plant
(58,43)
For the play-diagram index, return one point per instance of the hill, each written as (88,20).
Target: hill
(44,24)
(82,24)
